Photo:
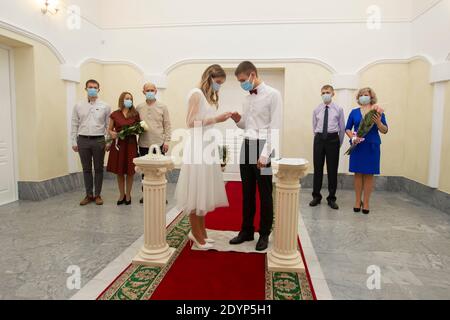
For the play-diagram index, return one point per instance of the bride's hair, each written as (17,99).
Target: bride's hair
(212,72)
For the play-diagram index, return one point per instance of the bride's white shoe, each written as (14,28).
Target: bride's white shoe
(209,240)
(205,246)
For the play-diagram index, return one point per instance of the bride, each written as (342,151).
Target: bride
(200,187)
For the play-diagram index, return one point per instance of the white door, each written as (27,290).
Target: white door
(7,171)
(231,99)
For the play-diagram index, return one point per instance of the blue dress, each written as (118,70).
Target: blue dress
(365,158)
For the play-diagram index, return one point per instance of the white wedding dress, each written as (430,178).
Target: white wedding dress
(200,186)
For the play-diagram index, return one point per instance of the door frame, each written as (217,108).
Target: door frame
(12,86)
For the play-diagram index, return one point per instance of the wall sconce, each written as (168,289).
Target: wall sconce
(49,6)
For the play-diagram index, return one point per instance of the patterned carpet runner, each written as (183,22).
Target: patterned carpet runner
(200,275)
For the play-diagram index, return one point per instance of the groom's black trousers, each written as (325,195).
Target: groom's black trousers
(252,176)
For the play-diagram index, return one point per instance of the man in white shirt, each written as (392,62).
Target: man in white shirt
(261,121)
(90,120)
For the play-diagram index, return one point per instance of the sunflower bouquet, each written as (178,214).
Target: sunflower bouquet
(365,126)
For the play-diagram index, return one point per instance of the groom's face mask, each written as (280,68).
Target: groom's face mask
(249,84)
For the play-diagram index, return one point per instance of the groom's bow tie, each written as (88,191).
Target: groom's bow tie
(254,91)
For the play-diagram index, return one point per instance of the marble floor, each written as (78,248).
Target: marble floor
(407,241)
(41,240)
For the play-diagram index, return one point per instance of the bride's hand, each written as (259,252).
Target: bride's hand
(223,117)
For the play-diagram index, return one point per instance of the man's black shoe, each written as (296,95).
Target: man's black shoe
(333,205)
(241,238)
(315,202)
(263,243)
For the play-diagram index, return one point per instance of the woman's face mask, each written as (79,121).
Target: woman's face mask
(215,86)
(364,100)
(128,103)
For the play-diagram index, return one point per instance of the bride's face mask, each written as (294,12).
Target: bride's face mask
(215,86)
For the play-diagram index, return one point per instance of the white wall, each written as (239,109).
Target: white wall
(347,48)
(175,12)
(155,35)
(432,33)
(421,6)
(71,46)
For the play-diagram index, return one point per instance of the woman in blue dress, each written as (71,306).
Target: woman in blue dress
(365,158)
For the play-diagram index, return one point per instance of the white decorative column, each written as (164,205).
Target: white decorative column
(156,251)
(285,256)
(71,77)
(440,74)
(345,86)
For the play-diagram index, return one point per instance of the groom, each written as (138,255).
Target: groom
(261,121)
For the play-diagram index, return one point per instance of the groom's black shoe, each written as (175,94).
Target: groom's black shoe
(263,243)
(333,205)
(241,238)
(315,202)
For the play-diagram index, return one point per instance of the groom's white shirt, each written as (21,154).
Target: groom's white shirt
(262,117)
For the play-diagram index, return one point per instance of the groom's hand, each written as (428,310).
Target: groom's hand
(262,162)
(236,117)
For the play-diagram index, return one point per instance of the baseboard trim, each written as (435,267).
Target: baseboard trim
(430,196)
(38,191)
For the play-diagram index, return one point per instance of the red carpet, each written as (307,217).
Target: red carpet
(217,275)
(200,275)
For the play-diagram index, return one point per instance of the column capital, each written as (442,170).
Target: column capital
(440,72)
(290,171)
(345,81)
(70,73)
(154,170)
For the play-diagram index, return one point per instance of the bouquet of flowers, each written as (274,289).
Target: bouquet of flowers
(223,154)
(135,129)
(365,126)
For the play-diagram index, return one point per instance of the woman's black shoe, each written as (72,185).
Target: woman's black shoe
(127,202)
(358,209)
(363,210)
(121,202)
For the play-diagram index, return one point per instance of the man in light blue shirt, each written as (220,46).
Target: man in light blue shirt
(329,133)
